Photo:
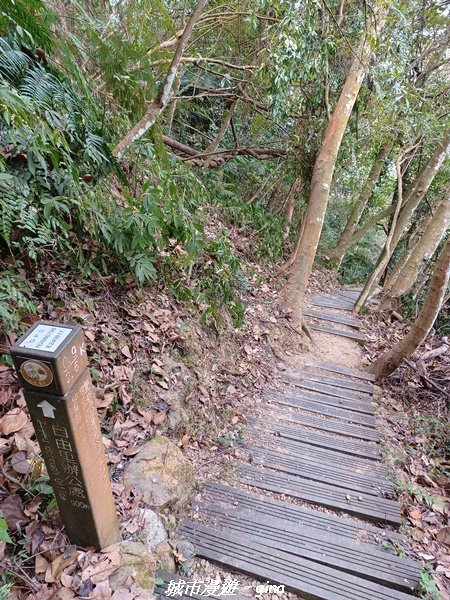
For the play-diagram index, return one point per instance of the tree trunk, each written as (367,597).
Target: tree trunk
(361,232)
(386,252)
(290,204)
(390,360)
(413,240)
(222,131)
(295,287)
(160,102)
(360,204)
(416,191)
(422,252)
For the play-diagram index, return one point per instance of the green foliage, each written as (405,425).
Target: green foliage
(4,535)
(15,300)
(428,587)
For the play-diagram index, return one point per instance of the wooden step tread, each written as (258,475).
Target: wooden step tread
(371,508)
(334,368)
(332,317)
(365,482)
(357,337)
(300,450)
(326,388)
(324,424)
(326,522)
(356,386)
(295,393)
(322,547)
(363,449)
(299,575)
(323,409)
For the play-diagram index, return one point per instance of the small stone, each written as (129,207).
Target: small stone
(164,557)
(137,564)
(152,528)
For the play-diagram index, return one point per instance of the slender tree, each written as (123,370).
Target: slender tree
(162,98)
(388,362)
(421,253)
(361,202)
(413,196)
(386,252)
(295,287)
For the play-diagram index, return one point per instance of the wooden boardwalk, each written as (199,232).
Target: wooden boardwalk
(314,507)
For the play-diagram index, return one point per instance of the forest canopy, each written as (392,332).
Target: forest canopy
(125,127)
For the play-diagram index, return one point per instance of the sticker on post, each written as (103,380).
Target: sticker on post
(36,373)
(45,337)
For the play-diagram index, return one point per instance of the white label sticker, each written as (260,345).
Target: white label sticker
(45,337)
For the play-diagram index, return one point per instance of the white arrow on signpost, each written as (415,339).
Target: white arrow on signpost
(48,409)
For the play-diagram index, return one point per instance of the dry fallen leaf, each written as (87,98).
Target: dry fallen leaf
(126,351)
(12,510)
(13,421)
(443,536)
(159,418)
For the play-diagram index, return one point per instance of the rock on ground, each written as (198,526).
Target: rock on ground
(137,565)
(161,474)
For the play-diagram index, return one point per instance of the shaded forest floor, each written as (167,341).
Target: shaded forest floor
(157,369)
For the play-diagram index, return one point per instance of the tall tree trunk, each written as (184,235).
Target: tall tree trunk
(222,131)
(295,287)
(362,231)
(390,360)
(386,252)
(360,204)
(163,96)
(290,204)
(422,252)
(413,240)
(415,193)
(417,190)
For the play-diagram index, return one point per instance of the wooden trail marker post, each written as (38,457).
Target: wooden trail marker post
(52,366)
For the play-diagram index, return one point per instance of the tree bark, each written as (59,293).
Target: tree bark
(222,131)
(362,231)
(388,362)
(290,204)
(160,102)
(411,244)
(386,252)
(422,252)
(415,193)
(417,190)
(295,287)
(360,204)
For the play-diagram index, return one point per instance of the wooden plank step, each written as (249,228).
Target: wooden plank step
(370,508)
(367,450)
(190,587)
(326,424)
(301,450)
(357,337)
(332,317)
(322,409)
(325,522)
(316,470)
(332,304)
(366,407)
(325,548)
(326,388)
(356,386)
(332,298)
(312,580)
(348,294)
(334,368)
